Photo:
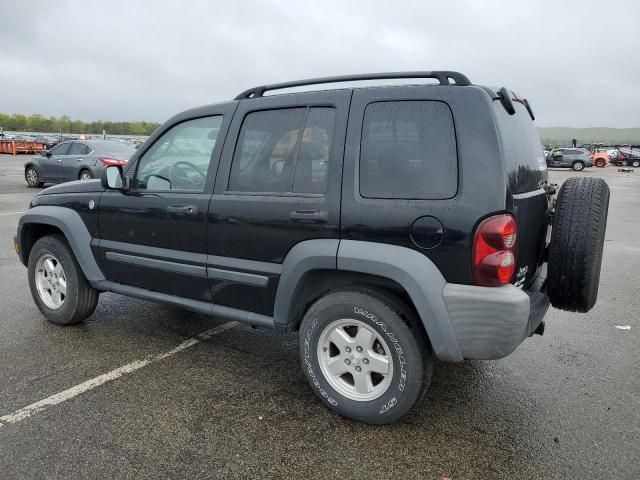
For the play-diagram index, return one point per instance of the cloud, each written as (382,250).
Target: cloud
(127,60)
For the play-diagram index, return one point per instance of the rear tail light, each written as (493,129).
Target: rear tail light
(494,250)
(106,161)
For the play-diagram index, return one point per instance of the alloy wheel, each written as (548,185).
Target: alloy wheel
(51,281)
(355,360)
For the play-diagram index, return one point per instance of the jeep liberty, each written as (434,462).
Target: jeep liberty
(388,225)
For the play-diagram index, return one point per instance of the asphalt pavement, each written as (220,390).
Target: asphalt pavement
(235,403)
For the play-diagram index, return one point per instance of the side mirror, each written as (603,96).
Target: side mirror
(112,178)
(45,153)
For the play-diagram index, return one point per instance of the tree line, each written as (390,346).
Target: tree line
(39,123)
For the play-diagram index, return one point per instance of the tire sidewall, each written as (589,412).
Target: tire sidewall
(54,246)
(408,366)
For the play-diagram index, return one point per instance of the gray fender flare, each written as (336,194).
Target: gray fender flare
(302,258)
(412,270)
(420,278)
(74,230)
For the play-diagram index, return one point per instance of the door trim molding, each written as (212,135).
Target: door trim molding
(195,270)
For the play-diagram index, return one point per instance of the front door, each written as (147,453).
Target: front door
(278,185)
(51,165)
(153,236)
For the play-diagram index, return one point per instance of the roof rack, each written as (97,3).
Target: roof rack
(442,76)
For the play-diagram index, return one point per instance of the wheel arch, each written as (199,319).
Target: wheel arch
(46,220)
(315,267)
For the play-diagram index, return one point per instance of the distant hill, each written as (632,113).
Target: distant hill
(610,136)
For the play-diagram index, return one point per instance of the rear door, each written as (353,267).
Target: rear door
(74,160)
(154,235)
(278,185)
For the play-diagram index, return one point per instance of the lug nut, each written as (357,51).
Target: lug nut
(365,360)
(358,369)
(359,348)
(347,349)
(347,361)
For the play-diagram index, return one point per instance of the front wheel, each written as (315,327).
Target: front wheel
(58,286)
(32,177)
(578,166)
(365,355)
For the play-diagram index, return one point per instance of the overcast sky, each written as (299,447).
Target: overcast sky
(577,62)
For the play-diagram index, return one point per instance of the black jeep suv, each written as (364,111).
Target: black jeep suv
(389,225)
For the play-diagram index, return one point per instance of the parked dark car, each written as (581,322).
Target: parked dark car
(576,158)
(48,141)
(388,225)
(75,160)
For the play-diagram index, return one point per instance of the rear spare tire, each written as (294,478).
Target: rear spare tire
(577,238)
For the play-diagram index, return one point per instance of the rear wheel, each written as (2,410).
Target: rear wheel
(364,355)
(635,163)
(32,177)
(578,166)
(577,239)
(58,286)
(600,163)
(85,175)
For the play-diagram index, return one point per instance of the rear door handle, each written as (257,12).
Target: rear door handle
(183,209)
(309,216)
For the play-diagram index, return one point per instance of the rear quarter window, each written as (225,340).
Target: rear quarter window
(523,153)
(408,151)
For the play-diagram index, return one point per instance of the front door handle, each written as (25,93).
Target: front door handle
(309,216)
(183,209)
(59,160)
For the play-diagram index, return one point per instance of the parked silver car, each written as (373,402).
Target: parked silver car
(576,158)
(75,160)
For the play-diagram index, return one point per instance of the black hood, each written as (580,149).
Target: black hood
(79,186)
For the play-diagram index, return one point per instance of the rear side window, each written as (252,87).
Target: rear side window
(283,151)
(408,150)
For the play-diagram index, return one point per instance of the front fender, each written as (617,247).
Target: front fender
(71,225)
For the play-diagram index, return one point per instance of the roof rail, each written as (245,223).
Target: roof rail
(442,76)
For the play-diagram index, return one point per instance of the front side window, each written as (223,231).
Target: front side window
(283,151)
(180,158)
(61,149)
(408,151)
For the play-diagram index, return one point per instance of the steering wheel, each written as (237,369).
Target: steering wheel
(180,175)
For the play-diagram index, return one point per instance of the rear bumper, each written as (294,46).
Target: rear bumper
(490,322)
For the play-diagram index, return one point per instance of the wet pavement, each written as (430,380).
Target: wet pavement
(236,405)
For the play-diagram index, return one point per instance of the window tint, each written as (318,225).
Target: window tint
(313,162)
(61,149)
(180,158)
(408,151)
(78,149)
(273,156)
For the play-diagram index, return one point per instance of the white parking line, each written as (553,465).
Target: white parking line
(9,213)
(72,392)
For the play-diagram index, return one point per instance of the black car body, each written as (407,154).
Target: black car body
(419,205)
